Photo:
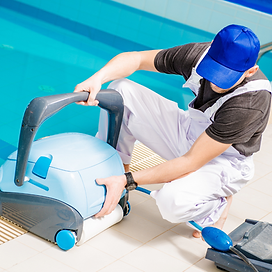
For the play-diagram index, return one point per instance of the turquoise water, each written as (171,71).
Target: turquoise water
(40,59)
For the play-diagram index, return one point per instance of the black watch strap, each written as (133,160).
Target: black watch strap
(131,184)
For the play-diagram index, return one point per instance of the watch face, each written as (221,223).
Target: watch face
(131,184)
(131,187)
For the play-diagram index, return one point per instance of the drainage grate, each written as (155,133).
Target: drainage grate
(142,158)
(9,231)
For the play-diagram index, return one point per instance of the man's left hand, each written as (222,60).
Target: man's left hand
(115,186)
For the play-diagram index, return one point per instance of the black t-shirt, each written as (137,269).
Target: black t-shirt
(241,120)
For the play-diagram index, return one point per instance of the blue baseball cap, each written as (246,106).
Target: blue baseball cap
(233,51)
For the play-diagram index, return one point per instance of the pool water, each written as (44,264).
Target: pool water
(41,59)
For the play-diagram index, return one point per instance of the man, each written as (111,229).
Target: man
(209,147)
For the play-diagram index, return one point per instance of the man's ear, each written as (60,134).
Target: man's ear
(251,71)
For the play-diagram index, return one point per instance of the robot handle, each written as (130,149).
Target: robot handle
(41,108)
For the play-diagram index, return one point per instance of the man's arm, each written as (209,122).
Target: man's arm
(204,150)
(120,66)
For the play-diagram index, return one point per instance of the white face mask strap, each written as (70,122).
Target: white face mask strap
(193,81)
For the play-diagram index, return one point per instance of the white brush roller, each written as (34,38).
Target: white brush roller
(93,226)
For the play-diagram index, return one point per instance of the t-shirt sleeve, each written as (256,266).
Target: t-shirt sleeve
(241,120)
(180,59)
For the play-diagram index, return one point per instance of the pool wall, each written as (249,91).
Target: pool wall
(206,15)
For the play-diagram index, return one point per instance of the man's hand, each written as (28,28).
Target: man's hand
(91,85)
(121,66)
(115,186)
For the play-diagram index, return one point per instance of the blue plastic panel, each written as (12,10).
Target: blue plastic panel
(41,167)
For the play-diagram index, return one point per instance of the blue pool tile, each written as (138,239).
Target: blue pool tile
(63,128)
(150,26)
(68,12)
(6,149)
(176,10)
(147,39)
(205,4)
(125,45)
(82,120)
(41,133)
(9,92)
(199,16)
(83,29)
(265,65)
(5,49)
(171,32)
(50,6)
(130,19)
(8,60)
(21,7)
(158,8)
(91,7)
(107,25)
(125,31)
(11,57)
(10,134)
(8,113)
(71,3)
(166,43)
(2,161)
(219,20)
(110,13)
(52,121)
(195,37)
(225,8)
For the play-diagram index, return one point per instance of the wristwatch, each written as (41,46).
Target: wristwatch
(131,184)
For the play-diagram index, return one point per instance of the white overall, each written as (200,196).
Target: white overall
(170,132)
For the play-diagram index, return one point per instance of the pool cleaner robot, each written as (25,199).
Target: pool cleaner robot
(48,186)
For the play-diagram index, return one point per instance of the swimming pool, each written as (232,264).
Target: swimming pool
(45,54)
(40,59)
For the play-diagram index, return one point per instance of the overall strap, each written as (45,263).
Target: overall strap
(252,86)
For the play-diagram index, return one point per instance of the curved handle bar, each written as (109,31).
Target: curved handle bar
(41,108)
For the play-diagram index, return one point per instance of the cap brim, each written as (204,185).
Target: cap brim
(218,74)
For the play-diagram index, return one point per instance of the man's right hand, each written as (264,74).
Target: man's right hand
(121,66)
(92,86)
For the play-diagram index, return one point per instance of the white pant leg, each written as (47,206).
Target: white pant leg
(200,196)
(193,197)
(150,118)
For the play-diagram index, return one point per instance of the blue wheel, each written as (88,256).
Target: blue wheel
(65,239)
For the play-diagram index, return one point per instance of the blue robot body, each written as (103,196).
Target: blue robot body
(64,167)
